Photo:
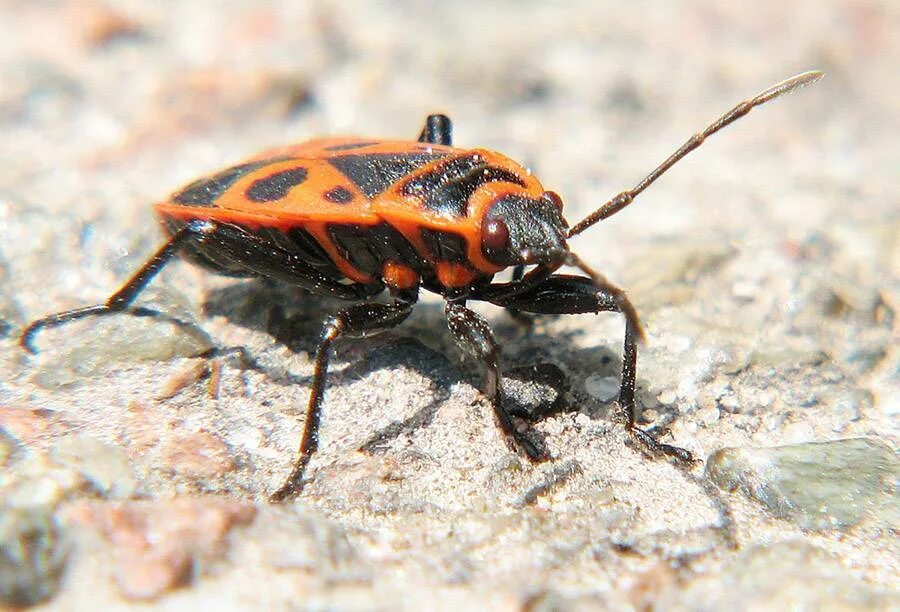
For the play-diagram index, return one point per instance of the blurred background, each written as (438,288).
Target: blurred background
(108,106)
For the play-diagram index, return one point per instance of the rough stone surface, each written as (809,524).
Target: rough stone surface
(764,267)
(824,485)
(117,339)
(158,546)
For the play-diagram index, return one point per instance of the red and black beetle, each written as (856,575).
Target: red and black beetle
(351,218)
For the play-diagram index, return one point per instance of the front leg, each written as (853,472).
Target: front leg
(356,321)
(121,300)
(564,294)
(473,335)
(525,322)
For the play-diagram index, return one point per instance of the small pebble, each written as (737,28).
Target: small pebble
(161,545)
(199,454)
(119,339)
(105,467)
(32,556)
(819,485)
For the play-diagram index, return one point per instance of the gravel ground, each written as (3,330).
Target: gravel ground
(766,268)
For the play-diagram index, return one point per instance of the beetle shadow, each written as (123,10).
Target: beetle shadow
(534,387)
(581,364)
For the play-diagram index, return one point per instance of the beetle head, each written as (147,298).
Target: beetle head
(519,229)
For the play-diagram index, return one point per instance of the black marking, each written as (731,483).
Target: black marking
(300,243)
(392,245)
(368,247)
(303,243)
(276,186)
(210,254)
(205,191)
(448,187)
(350,146)
(352,242)
(445,246)
(373,173)
(338,195)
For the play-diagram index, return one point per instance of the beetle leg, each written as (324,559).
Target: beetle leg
(197,231)
(357,321)
(518,272)
(473,335)
(564,294)
(253,253)
(438,130)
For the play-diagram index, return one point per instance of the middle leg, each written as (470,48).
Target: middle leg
(357,321)
(473,335)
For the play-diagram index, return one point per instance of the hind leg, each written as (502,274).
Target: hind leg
(245,250)
(122,299)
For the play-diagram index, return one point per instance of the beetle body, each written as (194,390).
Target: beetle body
(351,218)
(374,214)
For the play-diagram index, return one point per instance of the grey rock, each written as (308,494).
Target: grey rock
(105,467)
(822,485)
(119,339)
(32,556)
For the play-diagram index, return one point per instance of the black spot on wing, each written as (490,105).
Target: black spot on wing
(338,195)
(350,146)
(206,191)
(276,186)
(373,173)
(447,188)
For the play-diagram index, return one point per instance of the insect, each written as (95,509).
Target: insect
(352,218)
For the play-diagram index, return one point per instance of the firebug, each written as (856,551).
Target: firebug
(351,218)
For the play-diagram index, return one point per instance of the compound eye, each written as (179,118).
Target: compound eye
(553,198)
(496,235)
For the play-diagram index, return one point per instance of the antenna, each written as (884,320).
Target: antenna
(627,197)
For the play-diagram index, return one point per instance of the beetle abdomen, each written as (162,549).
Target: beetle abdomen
(361,211)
